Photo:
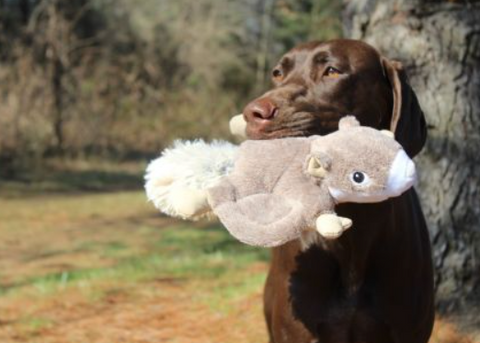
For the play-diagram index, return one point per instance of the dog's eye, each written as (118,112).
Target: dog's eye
(359,178)
(332,72)
(277,74)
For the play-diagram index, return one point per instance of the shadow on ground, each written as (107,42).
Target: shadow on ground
(73,177)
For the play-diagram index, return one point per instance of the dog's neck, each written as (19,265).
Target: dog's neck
(353,249)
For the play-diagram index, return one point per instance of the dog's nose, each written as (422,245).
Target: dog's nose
(260,110)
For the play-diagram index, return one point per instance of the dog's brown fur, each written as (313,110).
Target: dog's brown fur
(374,284)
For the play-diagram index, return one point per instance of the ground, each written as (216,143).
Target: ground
(85,259)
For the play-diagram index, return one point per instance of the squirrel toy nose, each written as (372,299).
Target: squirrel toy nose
(410,171)
(402,174)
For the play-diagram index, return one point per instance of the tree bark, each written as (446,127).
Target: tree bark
(439,44)
(264,42)
(25,10)
(58,92)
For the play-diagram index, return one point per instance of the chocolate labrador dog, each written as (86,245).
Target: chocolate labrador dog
(374,284)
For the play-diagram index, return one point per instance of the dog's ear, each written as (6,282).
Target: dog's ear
(407,120)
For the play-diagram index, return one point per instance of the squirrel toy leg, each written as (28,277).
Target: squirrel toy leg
(331,226)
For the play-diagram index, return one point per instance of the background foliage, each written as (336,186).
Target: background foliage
(91,89)
(121,78)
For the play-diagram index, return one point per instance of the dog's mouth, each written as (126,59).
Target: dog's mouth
(296,124)
(279,133)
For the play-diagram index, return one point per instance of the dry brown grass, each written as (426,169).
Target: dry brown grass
(446,332)
(132,278)
(137,316)
(133,315)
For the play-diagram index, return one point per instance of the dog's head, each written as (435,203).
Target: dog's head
(316,84)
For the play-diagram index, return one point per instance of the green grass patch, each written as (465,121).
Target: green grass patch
(32,324)
(107,249)
(223,296)
(178,252)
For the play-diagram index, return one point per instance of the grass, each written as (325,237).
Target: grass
(84,258)
(179,252)
(70,177)
(64,243)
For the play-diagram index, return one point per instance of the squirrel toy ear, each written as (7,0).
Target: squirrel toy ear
(318,165)
(348,122)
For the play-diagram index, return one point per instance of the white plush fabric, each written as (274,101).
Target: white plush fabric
(401,176)
(187,165)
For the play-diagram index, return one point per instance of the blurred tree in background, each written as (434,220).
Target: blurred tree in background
(121,78)
(438,42)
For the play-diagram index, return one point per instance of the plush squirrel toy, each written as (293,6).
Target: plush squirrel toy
(269,192)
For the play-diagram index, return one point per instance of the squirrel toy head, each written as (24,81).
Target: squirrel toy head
(359,164)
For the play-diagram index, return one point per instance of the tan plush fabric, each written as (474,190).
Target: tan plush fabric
(272,195)
(266,200)
(267,193)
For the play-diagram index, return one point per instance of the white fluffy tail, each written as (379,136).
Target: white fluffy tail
(177,179)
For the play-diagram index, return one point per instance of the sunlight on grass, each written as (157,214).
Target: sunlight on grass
(179,252)
(223,296)
(67,256)
(36,323)
(82,262)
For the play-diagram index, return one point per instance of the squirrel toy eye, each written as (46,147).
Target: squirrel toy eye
(359,178)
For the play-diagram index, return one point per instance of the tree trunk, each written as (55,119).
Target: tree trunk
(57,90)
(439,44)
(25,8)
(264,42)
